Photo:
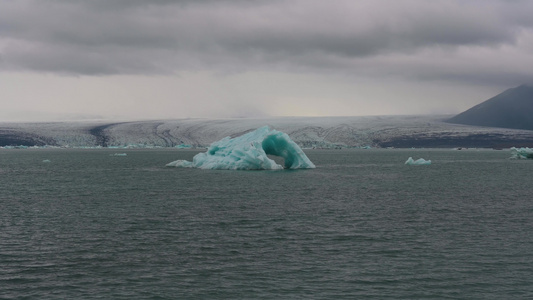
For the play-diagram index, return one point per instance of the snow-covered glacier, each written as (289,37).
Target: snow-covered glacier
(308,132)
(249,152)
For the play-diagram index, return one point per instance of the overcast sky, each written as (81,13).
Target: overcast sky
(147,59)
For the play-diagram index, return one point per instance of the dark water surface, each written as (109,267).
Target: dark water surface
(361,226)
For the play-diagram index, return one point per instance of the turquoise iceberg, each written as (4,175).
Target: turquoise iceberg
(420,161)
(249,152)
(521,153)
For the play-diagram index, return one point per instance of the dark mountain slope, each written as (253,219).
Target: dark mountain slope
(510,109)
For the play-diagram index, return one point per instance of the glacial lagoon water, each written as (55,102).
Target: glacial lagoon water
(84,224)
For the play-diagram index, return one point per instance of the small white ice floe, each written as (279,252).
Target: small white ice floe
(46,160)
(118,154)
(420,161)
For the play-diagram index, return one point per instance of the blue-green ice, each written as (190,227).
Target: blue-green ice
(249,152)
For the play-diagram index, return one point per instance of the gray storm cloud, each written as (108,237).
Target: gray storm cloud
(450,40)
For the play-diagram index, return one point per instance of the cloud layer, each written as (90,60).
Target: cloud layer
(481,41)
(238,58)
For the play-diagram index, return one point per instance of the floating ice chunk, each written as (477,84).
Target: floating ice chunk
(249,152)
(180,164)
(183,146)
(521,153)
(46,160)
(420,161)
(119,154)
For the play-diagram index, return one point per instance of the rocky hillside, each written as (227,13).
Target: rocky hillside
(510,109)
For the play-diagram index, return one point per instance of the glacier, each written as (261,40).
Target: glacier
(249,152)
(420,161)
(521,153)
(309,132)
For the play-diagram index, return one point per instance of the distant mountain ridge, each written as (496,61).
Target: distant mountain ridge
(511,109)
